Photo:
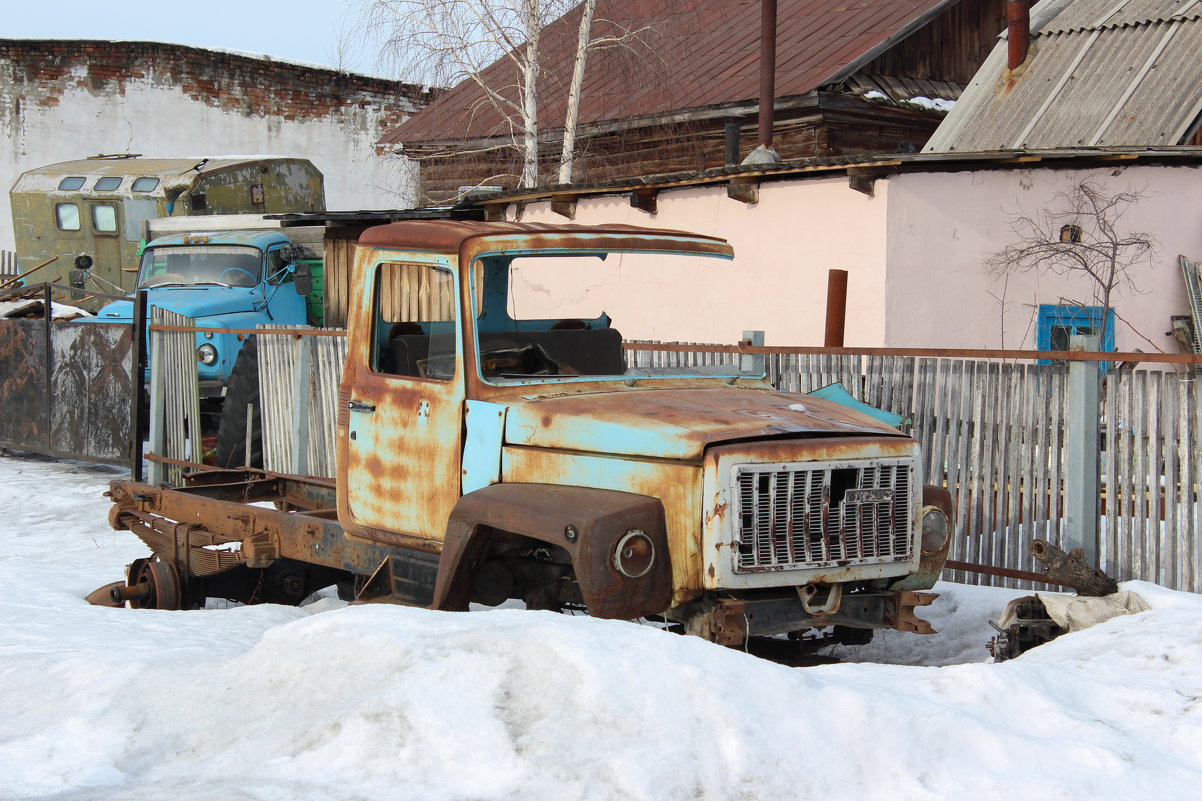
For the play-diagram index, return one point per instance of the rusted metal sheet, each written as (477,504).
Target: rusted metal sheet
(91,391)
(469,238)
(24,399)
(676,484)
(69,397)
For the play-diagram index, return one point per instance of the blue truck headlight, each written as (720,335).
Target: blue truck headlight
(206,354)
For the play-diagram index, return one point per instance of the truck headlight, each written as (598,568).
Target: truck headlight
(206,354)
(634,554)
(934,529)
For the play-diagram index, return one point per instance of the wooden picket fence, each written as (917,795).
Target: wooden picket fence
(8,264)
(993,432)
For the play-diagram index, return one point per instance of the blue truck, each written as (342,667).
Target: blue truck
(223,280)
(226,281)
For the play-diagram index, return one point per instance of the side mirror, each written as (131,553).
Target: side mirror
(292,252)
(302,278)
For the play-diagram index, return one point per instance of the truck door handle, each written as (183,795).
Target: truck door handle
(360,406)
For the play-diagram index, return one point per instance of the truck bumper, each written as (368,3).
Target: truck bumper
(730,620)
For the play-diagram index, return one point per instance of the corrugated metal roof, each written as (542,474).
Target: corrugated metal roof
(1090,15)
(695,54)
(1098,73)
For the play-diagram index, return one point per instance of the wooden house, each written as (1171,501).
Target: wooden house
(872,77)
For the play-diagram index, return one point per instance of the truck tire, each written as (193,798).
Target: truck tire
(242,389)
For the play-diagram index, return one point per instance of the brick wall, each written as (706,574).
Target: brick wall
(41,70)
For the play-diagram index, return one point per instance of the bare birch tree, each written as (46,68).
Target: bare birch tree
(445,42)
(1080,232)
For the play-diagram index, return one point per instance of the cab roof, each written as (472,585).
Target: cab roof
(453,236)
(258,239)
(174,173)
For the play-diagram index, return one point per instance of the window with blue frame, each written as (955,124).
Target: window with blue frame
(1058,323)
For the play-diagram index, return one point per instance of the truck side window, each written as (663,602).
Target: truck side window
(415,327)
(67,216)
(104,218)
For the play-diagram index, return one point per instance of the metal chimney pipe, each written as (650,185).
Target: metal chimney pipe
(1018,31)
(836,308)
(767,70)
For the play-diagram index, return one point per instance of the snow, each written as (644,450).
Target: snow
(330,701)
(58,311)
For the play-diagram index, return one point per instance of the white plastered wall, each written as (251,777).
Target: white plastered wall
(159,120)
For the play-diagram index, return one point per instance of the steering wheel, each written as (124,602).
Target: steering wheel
(238,282)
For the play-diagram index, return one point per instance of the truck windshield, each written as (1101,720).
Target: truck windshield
(565,317)
(225,265)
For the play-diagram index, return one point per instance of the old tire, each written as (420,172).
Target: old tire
(242,390)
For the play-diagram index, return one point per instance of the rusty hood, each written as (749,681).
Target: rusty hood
(676,423)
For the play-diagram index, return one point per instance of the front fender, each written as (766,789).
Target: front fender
(930,565)
(586,522)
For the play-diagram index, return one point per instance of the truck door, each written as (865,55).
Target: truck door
(106,240)
(405,407)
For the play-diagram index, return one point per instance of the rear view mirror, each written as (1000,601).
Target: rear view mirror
(302,278)
(292,252)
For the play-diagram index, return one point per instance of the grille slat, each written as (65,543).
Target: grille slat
(809,515)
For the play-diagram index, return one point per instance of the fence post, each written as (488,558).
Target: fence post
(302,382)
(1082,489)
(752,363)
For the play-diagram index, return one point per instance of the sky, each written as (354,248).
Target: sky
(308,31)
(380,702)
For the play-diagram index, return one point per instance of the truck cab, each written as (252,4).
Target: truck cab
(491,415)
(223,280)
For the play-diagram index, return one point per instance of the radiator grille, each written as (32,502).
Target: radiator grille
(814,515)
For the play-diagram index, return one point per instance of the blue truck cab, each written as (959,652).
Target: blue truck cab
(224,281)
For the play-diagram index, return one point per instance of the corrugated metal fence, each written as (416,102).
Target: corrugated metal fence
(8,264)
(298,438)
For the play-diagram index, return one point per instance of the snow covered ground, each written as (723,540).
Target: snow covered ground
(331,701)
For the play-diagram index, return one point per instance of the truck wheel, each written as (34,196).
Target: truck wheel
(242,389)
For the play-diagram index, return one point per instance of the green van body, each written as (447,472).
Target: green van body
(97,207)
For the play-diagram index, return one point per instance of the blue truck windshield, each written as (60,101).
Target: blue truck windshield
(225,265)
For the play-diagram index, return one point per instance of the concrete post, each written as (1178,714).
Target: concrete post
(1082,489)
(752,363)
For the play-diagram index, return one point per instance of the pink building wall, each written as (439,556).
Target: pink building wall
(784,245)
(941,227)
(914,253)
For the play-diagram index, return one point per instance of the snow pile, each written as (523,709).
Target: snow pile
(36,307)
(331,701)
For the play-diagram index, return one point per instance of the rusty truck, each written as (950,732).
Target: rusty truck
(495,443)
